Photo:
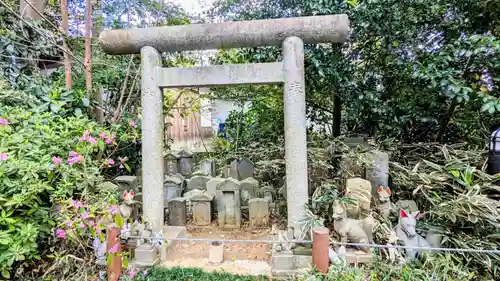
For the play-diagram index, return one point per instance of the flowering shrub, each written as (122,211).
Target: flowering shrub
(46,159)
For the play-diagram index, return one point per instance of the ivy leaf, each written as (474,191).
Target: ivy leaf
(54,107)
(86,102)
(78,112)
(5,274)
(119,220)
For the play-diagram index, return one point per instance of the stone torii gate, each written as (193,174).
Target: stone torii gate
(291,33)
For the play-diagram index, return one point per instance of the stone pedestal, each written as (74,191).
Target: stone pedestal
(146,255)
(259,212)
(202,209)
(248,187)
(283,264)
(177,215)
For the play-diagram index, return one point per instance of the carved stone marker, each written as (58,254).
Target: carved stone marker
(233,170)
(259,212)
(226,171)
(197,182)
(127,183)
(177,215)
(249,187)
(378,172)
(212,189)
(267,193)
(185,163)
(291,33)
(245,169)
(202,209)
(229,205)
(208,167)
(172,186)
(171,162)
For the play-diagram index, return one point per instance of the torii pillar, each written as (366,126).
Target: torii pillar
(291,33)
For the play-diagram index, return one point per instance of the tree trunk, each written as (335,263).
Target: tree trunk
(65,28)
(33,11)
(337,116)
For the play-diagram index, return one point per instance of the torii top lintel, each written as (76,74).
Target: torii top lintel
(239,34)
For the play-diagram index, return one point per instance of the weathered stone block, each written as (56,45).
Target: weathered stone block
(185,163)
(229,206)
(202,209)
(171,162)
(245,169)
(208,166)
(259,212)
(146,255)
(177,215)
(127,183)
(267,193)
(282,260)
(197,182)
(360,190)
(172,186)
(249,187)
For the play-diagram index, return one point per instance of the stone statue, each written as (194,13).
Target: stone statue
(383,201)
(407,234)
(99,250)
(359,190)
(283,237)
(352,230)
(127,208)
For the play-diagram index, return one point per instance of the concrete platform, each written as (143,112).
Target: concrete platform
(168,232)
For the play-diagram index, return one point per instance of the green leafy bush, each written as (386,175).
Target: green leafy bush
(46,158)
(180,274)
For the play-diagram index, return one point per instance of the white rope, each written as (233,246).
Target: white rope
(387,246)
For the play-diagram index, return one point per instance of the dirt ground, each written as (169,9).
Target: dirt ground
(232,251)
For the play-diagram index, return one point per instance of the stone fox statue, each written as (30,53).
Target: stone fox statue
(384,204)
(407,234)
(352,230)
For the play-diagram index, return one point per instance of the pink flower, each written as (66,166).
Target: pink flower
(92,224)
(102,135)
(86,136)
(4,156)
(92,140)
(98,230)
(145,272)
(4,121)
(77,204)
(73,154)
(109,140)
(113,249)
(132,124)
(113,210)
(121,166)
(75,159)
(85,215)
(60,233)
(111,161)
(82,225)
(132,273)
(68,223)
(56,160)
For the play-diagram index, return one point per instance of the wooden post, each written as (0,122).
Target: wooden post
(115,267)
(321,238)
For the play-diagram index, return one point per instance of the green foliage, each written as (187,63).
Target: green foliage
(178,273)
(445,267)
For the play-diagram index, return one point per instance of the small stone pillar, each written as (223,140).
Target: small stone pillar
(171,162)
(202,209)
(185,163)
(267,193)
(259,212)
(177,215)
(321,236)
